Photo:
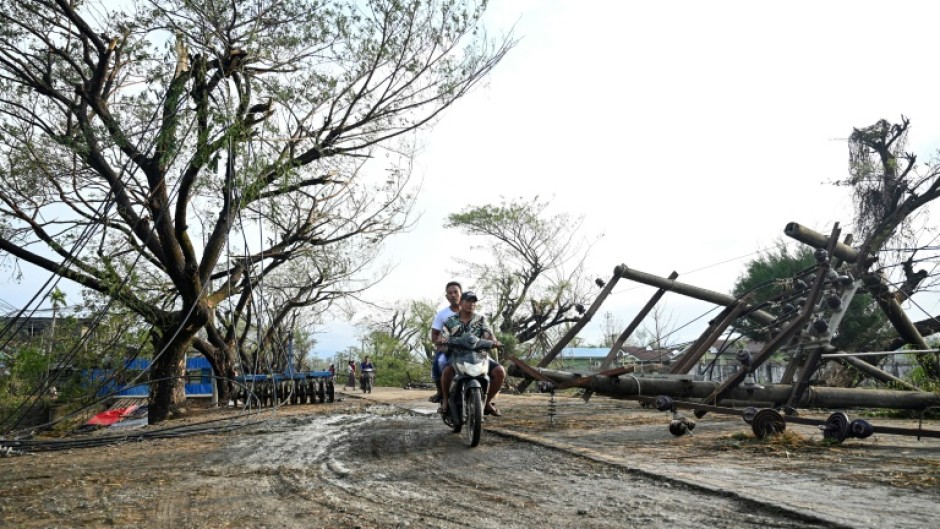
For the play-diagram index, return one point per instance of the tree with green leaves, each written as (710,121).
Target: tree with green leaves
(770,277)
(399,340)
(395,361)
(249,333)
(408,323)
(530,272)
(140,142)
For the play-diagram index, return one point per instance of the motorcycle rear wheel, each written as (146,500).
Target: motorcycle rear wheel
(473,412)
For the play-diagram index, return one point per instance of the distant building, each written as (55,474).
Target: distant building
(643,355)
(721,361)
(128,381)
(718,363)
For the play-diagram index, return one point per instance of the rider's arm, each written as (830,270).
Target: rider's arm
(491,337)
(442,335)
(488,333)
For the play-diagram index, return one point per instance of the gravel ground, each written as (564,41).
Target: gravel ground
(389,462)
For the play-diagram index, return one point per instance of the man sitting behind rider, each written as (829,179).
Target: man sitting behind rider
(466,321)
(452,292)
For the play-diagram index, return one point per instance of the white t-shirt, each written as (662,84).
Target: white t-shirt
(439,319)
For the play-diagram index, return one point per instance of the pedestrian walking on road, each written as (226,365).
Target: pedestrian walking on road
(351,370)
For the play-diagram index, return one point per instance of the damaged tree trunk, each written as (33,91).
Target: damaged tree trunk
(167,378)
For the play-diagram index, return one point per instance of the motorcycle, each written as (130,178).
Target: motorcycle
(470,358)
(366,379)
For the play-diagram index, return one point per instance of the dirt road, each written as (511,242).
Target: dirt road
(389,462)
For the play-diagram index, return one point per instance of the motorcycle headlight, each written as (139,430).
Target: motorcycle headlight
(473,370)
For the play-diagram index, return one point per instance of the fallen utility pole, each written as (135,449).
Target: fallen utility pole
(813,238)
(716,327)
(635,386)
(625,335)
(701,294)
(882,353)
(582,321)
(876,373)
(875,282)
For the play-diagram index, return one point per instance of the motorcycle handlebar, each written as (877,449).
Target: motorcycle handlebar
(489,347)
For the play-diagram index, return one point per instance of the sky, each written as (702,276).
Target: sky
(687,134)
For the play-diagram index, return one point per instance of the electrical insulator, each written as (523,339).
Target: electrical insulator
(821,326)
(834,303)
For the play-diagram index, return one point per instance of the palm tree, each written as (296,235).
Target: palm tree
(57,297)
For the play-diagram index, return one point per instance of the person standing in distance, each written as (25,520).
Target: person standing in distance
(351,375)
(452,292)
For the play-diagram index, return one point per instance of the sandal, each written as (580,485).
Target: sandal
(490,409)
(436,398)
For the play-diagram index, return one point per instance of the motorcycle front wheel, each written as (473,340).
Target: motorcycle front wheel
(454,416)
(473,413)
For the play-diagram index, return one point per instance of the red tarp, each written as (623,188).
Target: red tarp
(107,418)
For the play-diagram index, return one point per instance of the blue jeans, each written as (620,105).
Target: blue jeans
(437,364)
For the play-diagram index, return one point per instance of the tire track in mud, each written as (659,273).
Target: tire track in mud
(385,467)
(752,502)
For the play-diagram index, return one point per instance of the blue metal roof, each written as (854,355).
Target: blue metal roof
(196,363)
(142,389)
(192,364)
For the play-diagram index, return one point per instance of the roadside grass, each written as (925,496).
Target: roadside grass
(915,473)
(780,443)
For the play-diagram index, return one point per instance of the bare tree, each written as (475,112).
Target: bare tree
(408,323)
(890,192)
(533,273)
(121,131)
(657,327)
(612,326)
(291,292)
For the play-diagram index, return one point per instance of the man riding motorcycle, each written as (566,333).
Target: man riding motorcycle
(467,321)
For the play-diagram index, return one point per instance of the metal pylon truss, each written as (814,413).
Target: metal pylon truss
(800,324)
